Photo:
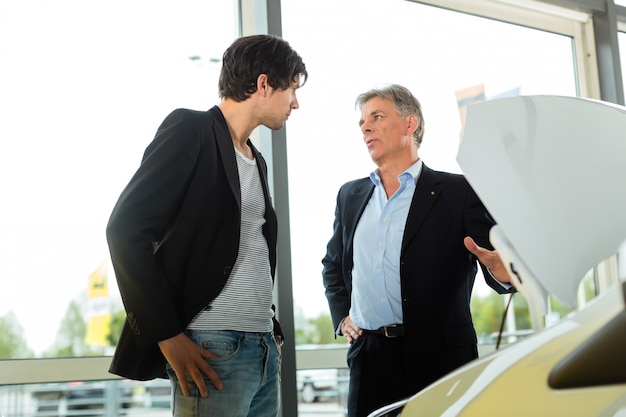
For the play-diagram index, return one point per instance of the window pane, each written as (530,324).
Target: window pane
(322,391)
(87,398)
(621,41)
(84,87)
(438,54)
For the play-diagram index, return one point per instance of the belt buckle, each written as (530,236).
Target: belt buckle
(387,333)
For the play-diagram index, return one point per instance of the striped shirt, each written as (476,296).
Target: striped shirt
(245,302)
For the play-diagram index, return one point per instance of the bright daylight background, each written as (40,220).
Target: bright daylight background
(83,88)
(85,83)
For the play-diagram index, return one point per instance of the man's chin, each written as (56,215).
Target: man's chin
(276,126)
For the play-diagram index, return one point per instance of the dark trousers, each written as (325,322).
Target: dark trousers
(378,374)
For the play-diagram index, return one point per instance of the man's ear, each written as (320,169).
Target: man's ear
(261,84)
(412,124)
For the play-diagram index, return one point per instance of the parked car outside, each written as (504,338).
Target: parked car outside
(155,393)
(317,384)
(67,398)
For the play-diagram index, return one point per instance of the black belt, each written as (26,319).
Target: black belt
(394,330)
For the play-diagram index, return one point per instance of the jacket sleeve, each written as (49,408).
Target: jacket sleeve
(335,283)
(479,222)
(140,220)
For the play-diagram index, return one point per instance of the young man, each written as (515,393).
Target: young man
(193,244)
(400,266)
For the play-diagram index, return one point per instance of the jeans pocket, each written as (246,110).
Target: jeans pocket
(225,350)
(224,343)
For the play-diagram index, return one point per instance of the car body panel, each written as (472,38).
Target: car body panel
(515,379)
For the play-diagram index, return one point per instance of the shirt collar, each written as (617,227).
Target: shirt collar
(413,172)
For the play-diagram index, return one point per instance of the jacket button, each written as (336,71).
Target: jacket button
(226,270)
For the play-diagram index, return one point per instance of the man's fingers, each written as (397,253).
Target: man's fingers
(489,258)
(471,245)
(182,381)
(210,373)
(350,330)
(197,378)
(196,374)
(208,354)
(485,256)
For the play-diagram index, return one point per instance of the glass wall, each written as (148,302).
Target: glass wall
(621,39)
(84,85)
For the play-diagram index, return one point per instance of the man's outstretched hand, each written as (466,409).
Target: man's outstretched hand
(490,258)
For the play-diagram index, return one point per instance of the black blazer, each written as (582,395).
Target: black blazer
(436,270)
(174,234)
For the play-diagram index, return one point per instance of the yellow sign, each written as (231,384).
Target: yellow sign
(99,325)
(98,285)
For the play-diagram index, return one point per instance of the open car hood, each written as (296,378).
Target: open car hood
(551,171)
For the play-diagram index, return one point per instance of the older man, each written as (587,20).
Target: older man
(401,263)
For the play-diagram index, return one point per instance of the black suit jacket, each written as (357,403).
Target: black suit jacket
(174,234)
(436,270)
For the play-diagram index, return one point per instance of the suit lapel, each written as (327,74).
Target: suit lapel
(427,191)
(227,152)
(263,173)
(270,213)
(355,205)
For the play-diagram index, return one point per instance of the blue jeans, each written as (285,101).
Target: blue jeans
(249,367)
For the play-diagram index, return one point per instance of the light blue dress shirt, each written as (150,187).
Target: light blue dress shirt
(376,296)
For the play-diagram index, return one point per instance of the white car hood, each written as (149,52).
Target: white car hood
(552,172)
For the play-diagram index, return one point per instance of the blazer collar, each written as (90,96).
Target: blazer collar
(427,191)
(355,204)
(227,151)
(359,198)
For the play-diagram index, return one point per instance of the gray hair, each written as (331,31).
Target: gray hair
(404,104)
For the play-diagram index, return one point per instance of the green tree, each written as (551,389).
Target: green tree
(522,315)
(12,341)
(117,322)
(323,332)
(487,312)
(70,338)
(318,330)
(589,291)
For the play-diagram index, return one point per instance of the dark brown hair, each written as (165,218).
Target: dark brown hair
(250,56)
